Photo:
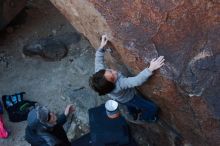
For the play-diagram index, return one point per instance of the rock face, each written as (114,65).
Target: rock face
(187,33)
(9,9)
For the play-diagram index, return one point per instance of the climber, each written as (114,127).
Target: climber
(121,88)
(45,128)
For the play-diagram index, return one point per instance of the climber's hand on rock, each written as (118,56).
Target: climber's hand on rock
(103,41)
(156,63)
(69,109)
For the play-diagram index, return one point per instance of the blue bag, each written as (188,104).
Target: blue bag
(16,107)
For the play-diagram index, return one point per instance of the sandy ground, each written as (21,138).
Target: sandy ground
(53,84)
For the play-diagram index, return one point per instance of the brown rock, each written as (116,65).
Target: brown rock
(186,33)
(9,9)
(9,29)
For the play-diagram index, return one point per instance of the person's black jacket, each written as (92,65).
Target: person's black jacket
(56,133)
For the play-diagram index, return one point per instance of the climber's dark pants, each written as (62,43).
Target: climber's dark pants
(60,133)
(149,110)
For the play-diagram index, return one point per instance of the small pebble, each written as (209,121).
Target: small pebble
(63,98)
(54,32)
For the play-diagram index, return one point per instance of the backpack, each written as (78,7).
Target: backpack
(16,107)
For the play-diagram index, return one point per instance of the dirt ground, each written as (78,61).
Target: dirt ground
(53,84)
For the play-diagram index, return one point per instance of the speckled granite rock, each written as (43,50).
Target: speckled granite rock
(187,33)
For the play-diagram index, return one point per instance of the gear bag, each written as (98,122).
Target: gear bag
(17,107)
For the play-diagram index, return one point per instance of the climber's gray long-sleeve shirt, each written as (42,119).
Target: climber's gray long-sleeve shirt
(124,87)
